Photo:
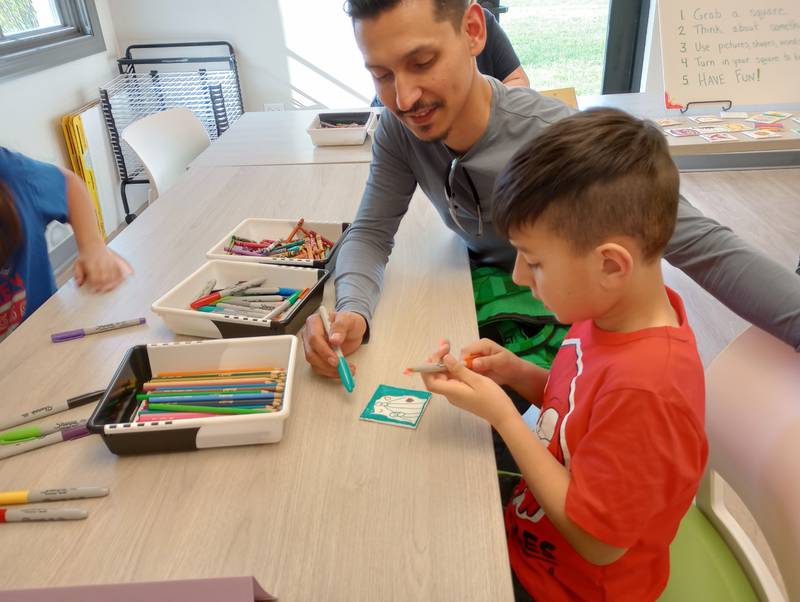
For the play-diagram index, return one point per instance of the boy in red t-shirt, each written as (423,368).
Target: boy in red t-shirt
(619,447)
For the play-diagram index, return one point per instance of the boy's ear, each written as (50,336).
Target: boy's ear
(616,264)
(474,24)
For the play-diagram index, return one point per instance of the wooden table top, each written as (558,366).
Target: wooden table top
(277,138)
(339,508)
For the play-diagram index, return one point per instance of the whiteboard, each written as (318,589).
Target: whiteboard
(745,51)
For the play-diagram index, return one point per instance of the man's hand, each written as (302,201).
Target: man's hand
(347,332)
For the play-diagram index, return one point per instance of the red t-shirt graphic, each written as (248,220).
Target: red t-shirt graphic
(624,412)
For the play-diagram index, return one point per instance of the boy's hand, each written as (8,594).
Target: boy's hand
(101,268)
(494,361)
(467,389)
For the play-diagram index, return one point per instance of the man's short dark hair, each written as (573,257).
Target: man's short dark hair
(590,176)
(369,9)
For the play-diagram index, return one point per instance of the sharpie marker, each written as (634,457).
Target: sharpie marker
(68,335)
(284,306)
(32,432)
(62,406)
(226,292)
(51,495)
(67,434)
(261,290)
(24,515)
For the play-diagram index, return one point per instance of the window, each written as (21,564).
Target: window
(37,34)
(594,46)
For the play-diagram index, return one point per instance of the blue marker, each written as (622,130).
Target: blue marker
(344,369)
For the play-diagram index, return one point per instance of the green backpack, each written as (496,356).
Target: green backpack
(509,315)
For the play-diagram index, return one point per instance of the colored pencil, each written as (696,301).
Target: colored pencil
(211,410)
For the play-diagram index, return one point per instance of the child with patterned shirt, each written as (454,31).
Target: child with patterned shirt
(619,448)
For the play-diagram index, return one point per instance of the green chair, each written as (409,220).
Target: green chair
(753,426)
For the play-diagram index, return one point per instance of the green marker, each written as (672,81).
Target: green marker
(34,432)
(285,305)
(176,407)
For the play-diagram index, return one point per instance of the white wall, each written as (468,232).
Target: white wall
(344,81)
(32,105)
(254,27)
(301,49)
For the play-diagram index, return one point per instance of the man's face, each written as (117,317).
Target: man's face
(422,67)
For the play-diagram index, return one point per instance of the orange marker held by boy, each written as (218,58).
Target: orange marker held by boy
(432,368)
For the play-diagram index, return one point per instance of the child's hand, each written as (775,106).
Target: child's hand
(494,361)
(101,268)
(468,390)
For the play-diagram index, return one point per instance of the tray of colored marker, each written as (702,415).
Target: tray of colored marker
(228,299)
(280,241)
(185,396)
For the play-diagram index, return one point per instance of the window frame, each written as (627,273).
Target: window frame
(626,42)
(78,37)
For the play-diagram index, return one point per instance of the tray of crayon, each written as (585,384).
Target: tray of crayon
(341,129)
(184,396)
(280,241)
(228,299)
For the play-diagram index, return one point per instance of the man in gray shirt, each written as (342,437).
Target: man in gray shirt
(451,130)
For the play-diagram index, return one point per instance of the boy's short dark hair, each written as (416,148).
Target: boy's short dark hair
(593,175)
(368,9)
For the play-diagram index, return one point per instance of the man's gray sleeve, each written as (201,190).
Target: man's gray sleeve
(751,284)
(368,242)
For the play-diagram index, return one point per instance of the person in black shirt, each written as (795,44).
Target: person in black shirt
(497,60)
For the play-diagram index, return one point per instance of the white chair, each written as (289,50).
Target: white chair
(166,142)
(753,426)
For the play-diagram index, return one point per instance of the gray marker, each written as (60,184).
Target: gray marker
(24,515)
(242,310)
(259,298)
(242,313)
(239,302)
(262,290)
(52,495)
(242,287)
(47,410)
(208,288)
(67,434)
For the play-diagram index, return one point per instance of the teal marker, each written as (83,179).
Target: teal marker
(343,367)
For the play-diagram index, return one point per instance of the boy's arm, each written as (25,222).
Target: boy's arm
(96,264)
(545,476)
(751,284)
(81,214)
(549,480)
(530,381)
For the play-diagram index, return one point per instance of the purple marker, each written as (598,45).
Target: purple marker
(58,337)
(66,434)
